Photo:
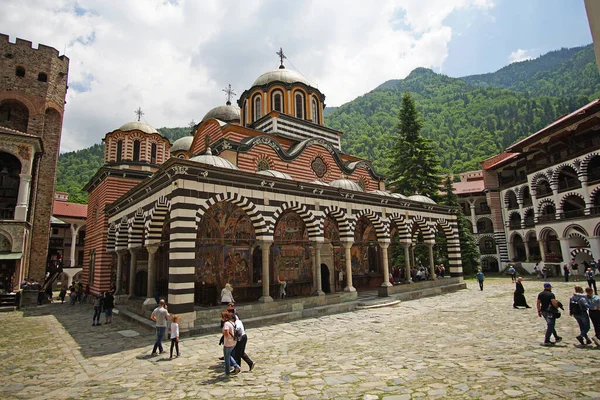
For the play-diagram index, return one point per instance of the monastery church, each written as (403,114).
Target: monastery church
(262,192)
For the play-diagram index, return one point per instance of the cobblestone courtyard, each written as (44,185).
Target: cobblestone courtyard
(469,344)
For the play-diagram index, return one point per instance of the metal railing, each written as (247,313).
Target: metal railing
(7,213)
(569,184)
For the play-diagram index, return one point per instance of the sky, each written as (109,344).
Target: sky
(172,58)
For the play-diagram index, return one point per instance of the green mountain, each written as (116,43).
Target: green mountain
(469,119)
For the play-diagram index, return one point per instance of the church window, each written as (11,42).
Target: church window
(299,105)
(263,165)
(257,106)
(136,150)
(315,111)
(42,77)
(319,167)
(92,266)
(153,154)
(277,102)
(20,72)
(119,150)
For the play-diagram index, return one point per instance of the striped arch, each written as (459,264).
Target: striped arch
(527,210)
(312,224)
(122,234)
(578,250)
(512,237)
(506,196)
(402,224)
(477,218)
(583,167)
(428,235)
(597,231)
(594,193)
(112,237)
(520,191)
(574,228)
(380,227)
(449,231)
(559,168)
(579,235)
(344,224)
(544,203)
(564,198)
(513,213)
(487,236)
(528,235)
(537,177)
(258,222)
(545,232)
(136,231)
(493,256)
(156,220)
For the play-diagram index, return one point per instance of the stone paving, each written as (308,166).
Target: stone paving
(464,345)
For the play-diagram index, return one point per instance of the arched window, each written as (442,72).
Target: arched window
(153,154)
(299,99)
(10,168)
(257,108)
(119,150)
(263,165)
(20,71)
(136,150)
(314,111)
(14,115)
(42,77)
(278,101)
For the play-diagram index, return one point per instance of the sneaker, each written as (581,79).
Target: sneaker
(548,343)
(580,339)
(558,339)
(596,341)
(178,354)
(588,341)
(253,364)
(236,370)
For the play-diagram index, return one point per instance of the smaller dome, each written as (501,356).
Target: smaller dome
(319,183)
(398,195)
(346,184)
(216,161)
(275,174)
(227,113)
(420,198)
(380,192)
(137,126)
(182,144)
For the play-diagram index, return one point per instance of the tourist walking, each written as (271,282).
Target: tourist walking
(519,295)
(282,286)
(547,307)
(109,304)
(160,315)
(594,311)
(480,277)
(566,272)
(227,294)
(229,343)
(513,273)
(98,300)
(239,352)
(591,279)
(578,306)
(175,335)
(574,270)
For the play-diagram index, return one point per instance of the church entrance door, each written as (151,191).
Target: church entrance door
(325,281)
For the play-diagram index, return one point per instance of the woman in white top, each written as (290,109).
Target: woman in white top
(227,295)
(175,335)
(239,351)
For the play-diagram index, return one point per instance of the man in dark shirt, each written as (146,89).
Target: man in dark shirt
(544,299)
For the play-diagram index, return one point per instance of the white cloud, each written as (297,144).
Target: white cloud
(519,55)
(173,58)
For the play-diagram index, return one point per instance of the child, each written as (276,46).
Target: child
(175,335)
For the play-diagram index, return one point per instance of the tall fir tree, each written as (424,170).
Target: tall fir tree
(469,249)
(415,165)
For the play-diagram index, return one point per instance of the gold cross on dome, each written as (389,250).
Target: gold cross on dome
(230,93)
(281,56)
(139,113)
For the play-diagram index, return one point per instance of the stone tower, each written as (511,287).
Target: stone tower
(33,86)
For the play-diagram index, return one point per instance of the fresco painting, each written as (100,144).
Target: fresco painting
(292,259)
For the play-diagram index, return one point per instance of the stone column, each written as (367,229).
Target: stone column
(556,200)
(542,250)
(319,289)
(152,249)
(526,251)
(23,197)
(565,249)
(386,268)
(407,260)
(74,231)
(473,217)
(265,246)
(586,195)
(119,283)
(431,266)
(348,255)
(132,267)
(595,246)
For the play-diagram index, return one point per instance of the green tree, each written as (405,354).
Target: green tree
(468,248)
(414,166)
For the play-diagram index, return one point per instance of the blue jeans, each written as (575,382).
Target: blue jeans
(551,321)
(229,361)
(160,332)
(584,324)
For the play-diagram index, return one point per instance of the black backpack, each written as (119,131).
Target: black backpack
(575,307)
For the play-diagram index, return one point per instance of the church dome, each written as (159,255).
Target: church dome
(398,195)
(380,192)
(420,198)
(138,126)
(275,174)
(281,75)
(216,161)
(182,144)
(346,184)
(226,113)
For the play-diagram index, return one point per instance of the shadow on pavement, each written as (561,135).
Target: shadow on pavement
(94,341)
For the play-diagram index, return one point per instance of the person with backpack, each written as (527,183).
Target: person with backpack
(578,306)
(513,274)
(229,343)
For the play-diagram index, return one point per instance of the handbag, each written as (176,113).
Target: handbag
(553,310)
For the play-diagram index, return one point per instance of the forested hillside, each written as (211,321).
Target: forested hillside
(468,119)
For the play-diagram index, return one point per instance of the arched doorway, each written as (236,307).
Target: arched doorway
(366,256)
(337,257)
(518,245)
(10,168)
(325,279)
(141,284)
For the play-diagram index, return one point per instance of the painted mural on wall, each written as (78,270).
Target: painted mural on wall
(365,237)
(292,258)
(223,244)
(331,232)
